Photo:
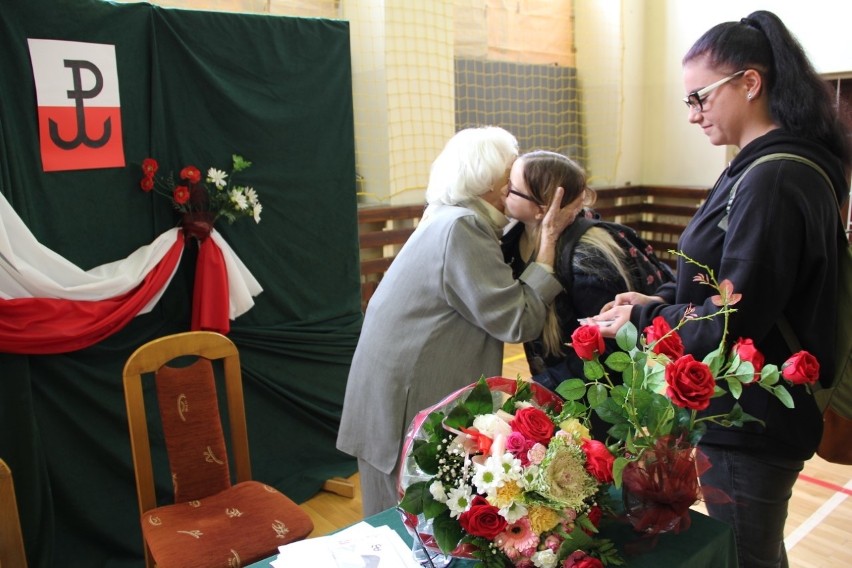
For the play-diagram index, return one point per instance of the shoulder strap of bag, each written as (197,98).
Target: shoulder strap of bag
(783,325)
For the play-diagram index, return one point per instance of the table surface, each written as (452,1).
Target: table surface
(707,543)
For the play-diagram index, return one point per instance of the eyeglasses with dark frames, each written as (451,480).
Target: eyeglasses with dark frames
(695,100)
(523,195)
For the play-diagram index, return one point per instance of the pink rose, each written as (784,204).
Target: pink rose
(586,341)
(599,460)
(690,383)
(748,352)
(668,343)
(801,368)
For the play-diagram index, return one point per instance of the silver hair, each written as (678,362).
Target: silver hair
(470,163)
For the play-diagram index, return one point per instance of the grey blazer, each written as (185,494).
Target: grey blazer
(436,323)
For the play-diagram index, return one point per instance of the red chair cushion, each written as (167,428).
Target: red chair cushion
(235,527)
(189,410)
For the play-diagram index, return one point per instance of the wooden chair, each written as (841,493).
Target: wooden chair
(211,522)
(11,540)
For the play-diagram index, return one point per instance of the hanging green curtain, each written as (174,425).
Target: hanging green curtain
(195,88)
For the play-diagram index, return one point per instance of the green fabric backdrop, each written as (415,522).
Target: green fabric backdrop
(195,87)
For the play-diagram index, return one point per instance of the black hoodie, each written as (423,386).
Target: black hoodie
(780,252)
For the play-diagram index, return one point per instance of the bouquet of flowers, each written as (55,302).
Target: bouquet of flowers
(202,203)
(655,407)
(504,472)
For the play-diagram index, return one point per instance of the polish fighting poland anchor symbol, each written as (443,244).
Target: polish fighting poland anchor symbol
(78,94)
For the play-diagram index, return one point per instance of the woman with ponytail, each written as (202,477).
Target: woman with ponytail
(749,84)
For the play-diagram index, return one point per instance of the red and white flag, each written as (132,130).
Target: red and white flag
(79,112)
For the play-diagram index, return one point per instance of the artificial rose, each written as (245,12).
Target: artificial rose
(690,383)
(668,342)
(191,174)
(599,460)
(482,519)
(147,183)
(580,559)
(586,341)
(801,368)
(534,424)
(181,194)
(149,166)
(748,352)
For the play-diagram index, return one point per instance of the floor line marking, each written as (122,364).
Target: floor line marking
(820,514)
(826,484)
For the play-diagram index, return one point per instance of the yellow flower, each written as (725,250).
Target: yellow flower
(506,495)
(575,428)
(542,519)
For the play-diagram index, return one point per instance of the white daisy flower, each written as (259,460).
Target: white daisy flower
(489,476)
(458,500)
(238,198)
(216,177)
(514,512)
(251,194)
(512,468)
(256,212)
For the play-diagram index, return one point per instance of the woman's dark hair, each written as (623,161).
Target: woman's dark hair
(545,171)
(799,99)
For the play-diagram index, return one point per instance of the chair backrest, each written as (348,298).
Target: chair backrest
(189,412)
(11,540)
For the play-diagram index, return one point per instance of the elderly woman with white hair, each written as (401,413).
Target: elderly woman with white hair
(440,315)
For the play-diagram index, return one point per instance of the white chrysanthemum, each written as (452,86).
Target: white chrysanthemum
(216,177)
(490,425)
(238,198)
(544,558)
(458,500)
(438,492)
(251,194)
(512,467)
(489,476)
(256,212)
(513,512)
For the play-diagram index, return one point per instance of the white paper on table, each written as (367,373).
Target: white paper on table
(360,546)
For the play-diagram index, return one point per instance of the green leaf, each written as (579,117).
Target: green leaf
(626,337)
(572,389)
(735,387)
(426,455)
(447,532)
(715,360)
(431,507)
(459,417)
(655,378)
(618,361)
(479,400)
(593,370)
(769,375)
(596,395)
(240,163)
(618,468)
(743,372)
(412,501)
(781,392)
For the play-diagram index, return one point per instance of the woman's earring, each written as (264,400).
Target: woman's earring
(748,96)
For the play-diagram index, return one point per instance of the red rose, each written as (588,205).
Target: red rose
(181,194)
(147,183)
(482,519)
(801,368)
(595,515)
(533,424)
(191,174)
(690,383)
(666,342)
(599,460)
(586,341)
(748,352)
(580,559)
(149,166)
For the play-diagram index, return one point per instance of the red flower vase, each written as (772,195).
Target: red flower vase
(197,224)
(660,487)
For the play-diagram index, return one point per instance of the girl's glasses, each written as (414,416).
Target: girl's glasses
(695,99)
(523,196)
